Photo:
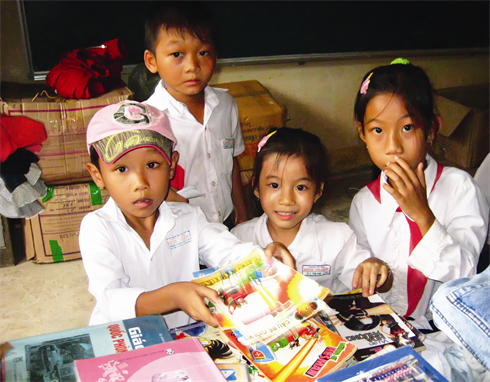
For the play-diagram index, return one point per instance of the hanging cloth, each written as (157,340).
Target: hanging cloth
(89,73)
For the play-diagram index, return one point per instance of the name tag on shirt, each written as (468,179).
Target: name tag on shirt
(179,240)
(316,270)
(228,143)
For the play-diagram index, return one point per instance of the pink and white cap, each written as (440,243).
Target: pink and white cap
(119,128)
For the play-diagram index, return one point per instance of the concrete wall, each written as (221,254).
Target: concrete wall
(319,96)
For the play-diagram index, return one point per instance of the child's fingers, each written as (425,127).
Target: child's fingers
(208,293)
(381,277)
(200,312)
(198,309)
(398,176)
(411,175)
(356,278)
(280,252)
(420,174)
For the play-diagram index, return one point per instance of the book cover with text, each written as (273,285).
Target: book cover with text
(182,360)
(50,357)
(304,352)
(371,324)
(262,299)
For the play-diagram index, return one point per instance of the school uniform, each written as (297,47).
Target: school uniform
(206,150)
(120,267)
(325,251)
(449,250)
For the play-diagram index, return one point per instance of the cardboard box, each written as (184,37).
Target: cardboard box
(257,111)
(464,137)
(12,249)
(64,153)
(52,236)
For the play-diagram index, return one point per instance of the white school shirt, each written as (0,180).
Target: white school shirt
(206,150)
(325,251)
(449,250)
(120,267)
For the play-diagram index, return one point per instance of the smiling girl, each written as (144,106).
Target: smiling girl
(288,178)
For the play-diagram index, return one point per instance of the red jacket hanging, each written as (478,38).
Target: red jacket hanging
(88,73)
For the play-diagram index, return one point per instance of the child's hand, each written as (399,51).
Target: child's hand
(187,296)
(280,252)
(371,274)
(409,190)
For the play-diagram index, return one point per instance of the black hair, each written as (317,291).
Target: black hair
(192,17)
(94,157)
(291,142)
(411,84)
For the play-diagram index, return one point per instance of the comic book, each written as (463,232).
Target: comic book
(219,348)
(262,299)
(304,352)
(183,360)
(371,324)
(400,365)
(50,357)
(237,372)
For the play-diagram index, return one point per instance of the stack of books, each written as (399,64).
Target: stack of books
(274,324)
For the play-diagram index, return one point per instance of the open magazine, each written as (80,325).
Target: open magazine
(371,324)
(303,353)
(271,314)
(261,299)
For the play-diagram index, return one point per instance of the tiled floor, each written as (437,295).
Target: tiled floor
(44,298)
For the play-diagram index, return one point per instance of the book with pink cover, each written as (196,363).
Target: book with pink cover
(182,360)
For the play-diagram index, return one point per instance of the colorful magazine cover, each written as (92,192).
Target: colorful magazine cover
(50,357)
(237,372)
(302,353)
(212,339)
(182,360)
(219,347)
(400,365)
(371,324)
(261,299)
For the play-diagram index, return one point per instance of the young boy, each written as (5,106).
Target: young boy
(180,47)
(139,251)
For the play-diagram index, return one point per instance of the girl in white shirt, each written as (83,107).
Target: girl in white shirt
(428,222)
(288,179)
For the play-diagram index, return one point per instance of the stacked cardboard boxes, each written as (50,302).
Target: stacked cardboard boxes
(257,112)
(464,138)
(52,236)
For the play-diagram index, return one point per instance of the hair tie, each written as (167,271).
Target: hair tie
(400,60)
(365,84)
(264,140)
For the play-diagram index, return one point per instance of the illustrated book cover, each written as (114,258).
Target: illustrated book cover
(50,357)
(371,324)
(237,372)
(400,365)
(182,360)
(262,299)
(219,348)
(304,352)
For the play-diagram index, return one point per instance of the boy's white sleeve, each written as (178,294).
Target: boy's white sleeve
(237,131)
(451,250)
(108,282)
(217,245)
